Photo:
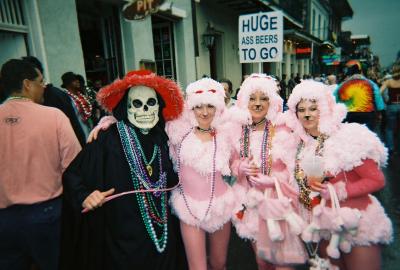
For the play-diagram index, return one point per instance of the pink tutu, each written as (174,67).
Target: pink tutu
(375,227)
(219,214)
(246,220)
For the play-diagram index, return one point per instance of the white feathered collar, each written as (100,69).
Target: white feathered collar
(348,147)
(199,155)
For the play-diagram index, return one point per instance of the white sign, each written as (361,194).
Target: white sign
(261,37)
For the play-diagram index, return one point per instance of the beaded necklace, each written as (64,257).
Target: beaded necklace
(147,163)
(17,98)
(212,177)
(299,175)
(82,103)
(266,146)
(146,201)
(255,125)
(205,130)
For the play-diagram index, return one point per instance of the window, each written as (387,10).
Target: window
(11,14)
(313,22)
(164,49)
(13,31)
(319,25)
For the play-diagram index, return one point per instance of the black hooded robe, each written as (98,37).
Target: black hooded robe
(113,236)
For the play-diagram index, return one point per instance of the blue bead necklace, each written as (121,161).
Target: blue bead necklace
(147,163)
(147,205)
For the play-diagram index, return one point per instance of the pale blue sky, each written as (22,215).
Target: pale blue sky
(381,21)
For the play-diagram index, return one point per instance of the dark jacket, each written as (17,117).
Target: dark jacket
(55,97)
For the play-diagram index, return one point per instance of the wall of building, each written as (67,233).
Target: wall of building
(225,24)
(60,38)
(184,45)
(318,27)
(12,46)
(137,39)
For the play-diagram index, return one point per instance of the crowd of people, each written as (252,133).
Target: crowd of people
(167,177)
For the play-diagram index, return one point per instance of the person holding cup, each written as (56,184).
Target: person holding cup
(350,156)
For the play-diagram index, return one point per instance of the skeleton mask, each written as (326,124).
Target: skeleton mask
(143,108)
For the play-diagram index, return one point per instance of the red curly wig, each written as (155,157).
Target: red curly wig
(110,95)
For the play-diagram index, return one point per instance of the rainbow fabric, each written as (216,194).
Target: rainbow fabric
(357,95)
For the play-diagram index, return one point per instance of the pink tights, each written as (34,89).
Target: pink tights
(194,240)
(360,257)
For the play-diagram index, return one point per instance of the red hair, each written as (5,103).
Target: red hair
(110,95)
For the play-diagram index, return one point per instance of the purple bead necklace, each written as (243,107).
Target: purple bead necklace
(212,177)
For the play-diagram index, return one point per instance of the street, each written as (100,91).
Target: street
(240,256)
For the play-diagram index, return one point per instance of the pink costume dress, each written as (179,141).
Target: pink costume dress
(247,224)
(352,155)
(200,202)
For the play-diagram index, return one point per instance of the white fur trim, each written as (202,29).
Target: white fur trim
(247,227)
(205,91)
(219,214)
(346,148)
(240,115)
(267,85)
(254,198)
(350,145)
(199,155)
(284,147)
(331,113)
(380,233)
(176,129)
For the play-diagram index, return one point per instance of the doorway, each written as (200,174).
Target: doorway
(101,41)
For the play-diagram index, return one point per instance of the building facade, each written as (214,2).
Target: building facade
(185,40)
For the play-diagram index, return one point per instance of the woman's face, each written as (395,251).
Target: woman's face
(258,106)
(308,114)
(204,115)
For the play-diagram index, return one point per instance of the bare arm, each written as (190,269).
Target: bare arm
(384,85)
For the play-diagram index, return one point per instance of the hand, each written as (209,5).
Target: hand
(96,199)
(262,180)
(315,183)
(247,167)
(104,124)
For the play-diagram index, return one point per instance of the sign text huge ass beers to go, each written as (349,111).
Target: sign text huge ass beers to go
(261,37)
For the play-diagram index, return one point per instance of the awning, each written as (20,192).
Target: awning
(254,6)
(301,37)
(243,6)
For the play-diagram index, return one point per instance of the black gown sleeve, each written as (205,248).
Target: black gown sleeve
(80,242)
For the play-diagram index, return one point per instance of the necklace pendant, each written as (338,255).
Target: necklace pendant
(300,174)
(149,169)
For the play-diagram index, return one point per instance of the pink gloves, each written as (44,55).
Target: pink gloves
(262,180)
(248,168)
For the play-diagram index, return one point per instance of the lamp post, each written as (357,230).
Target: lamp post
(209,41)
